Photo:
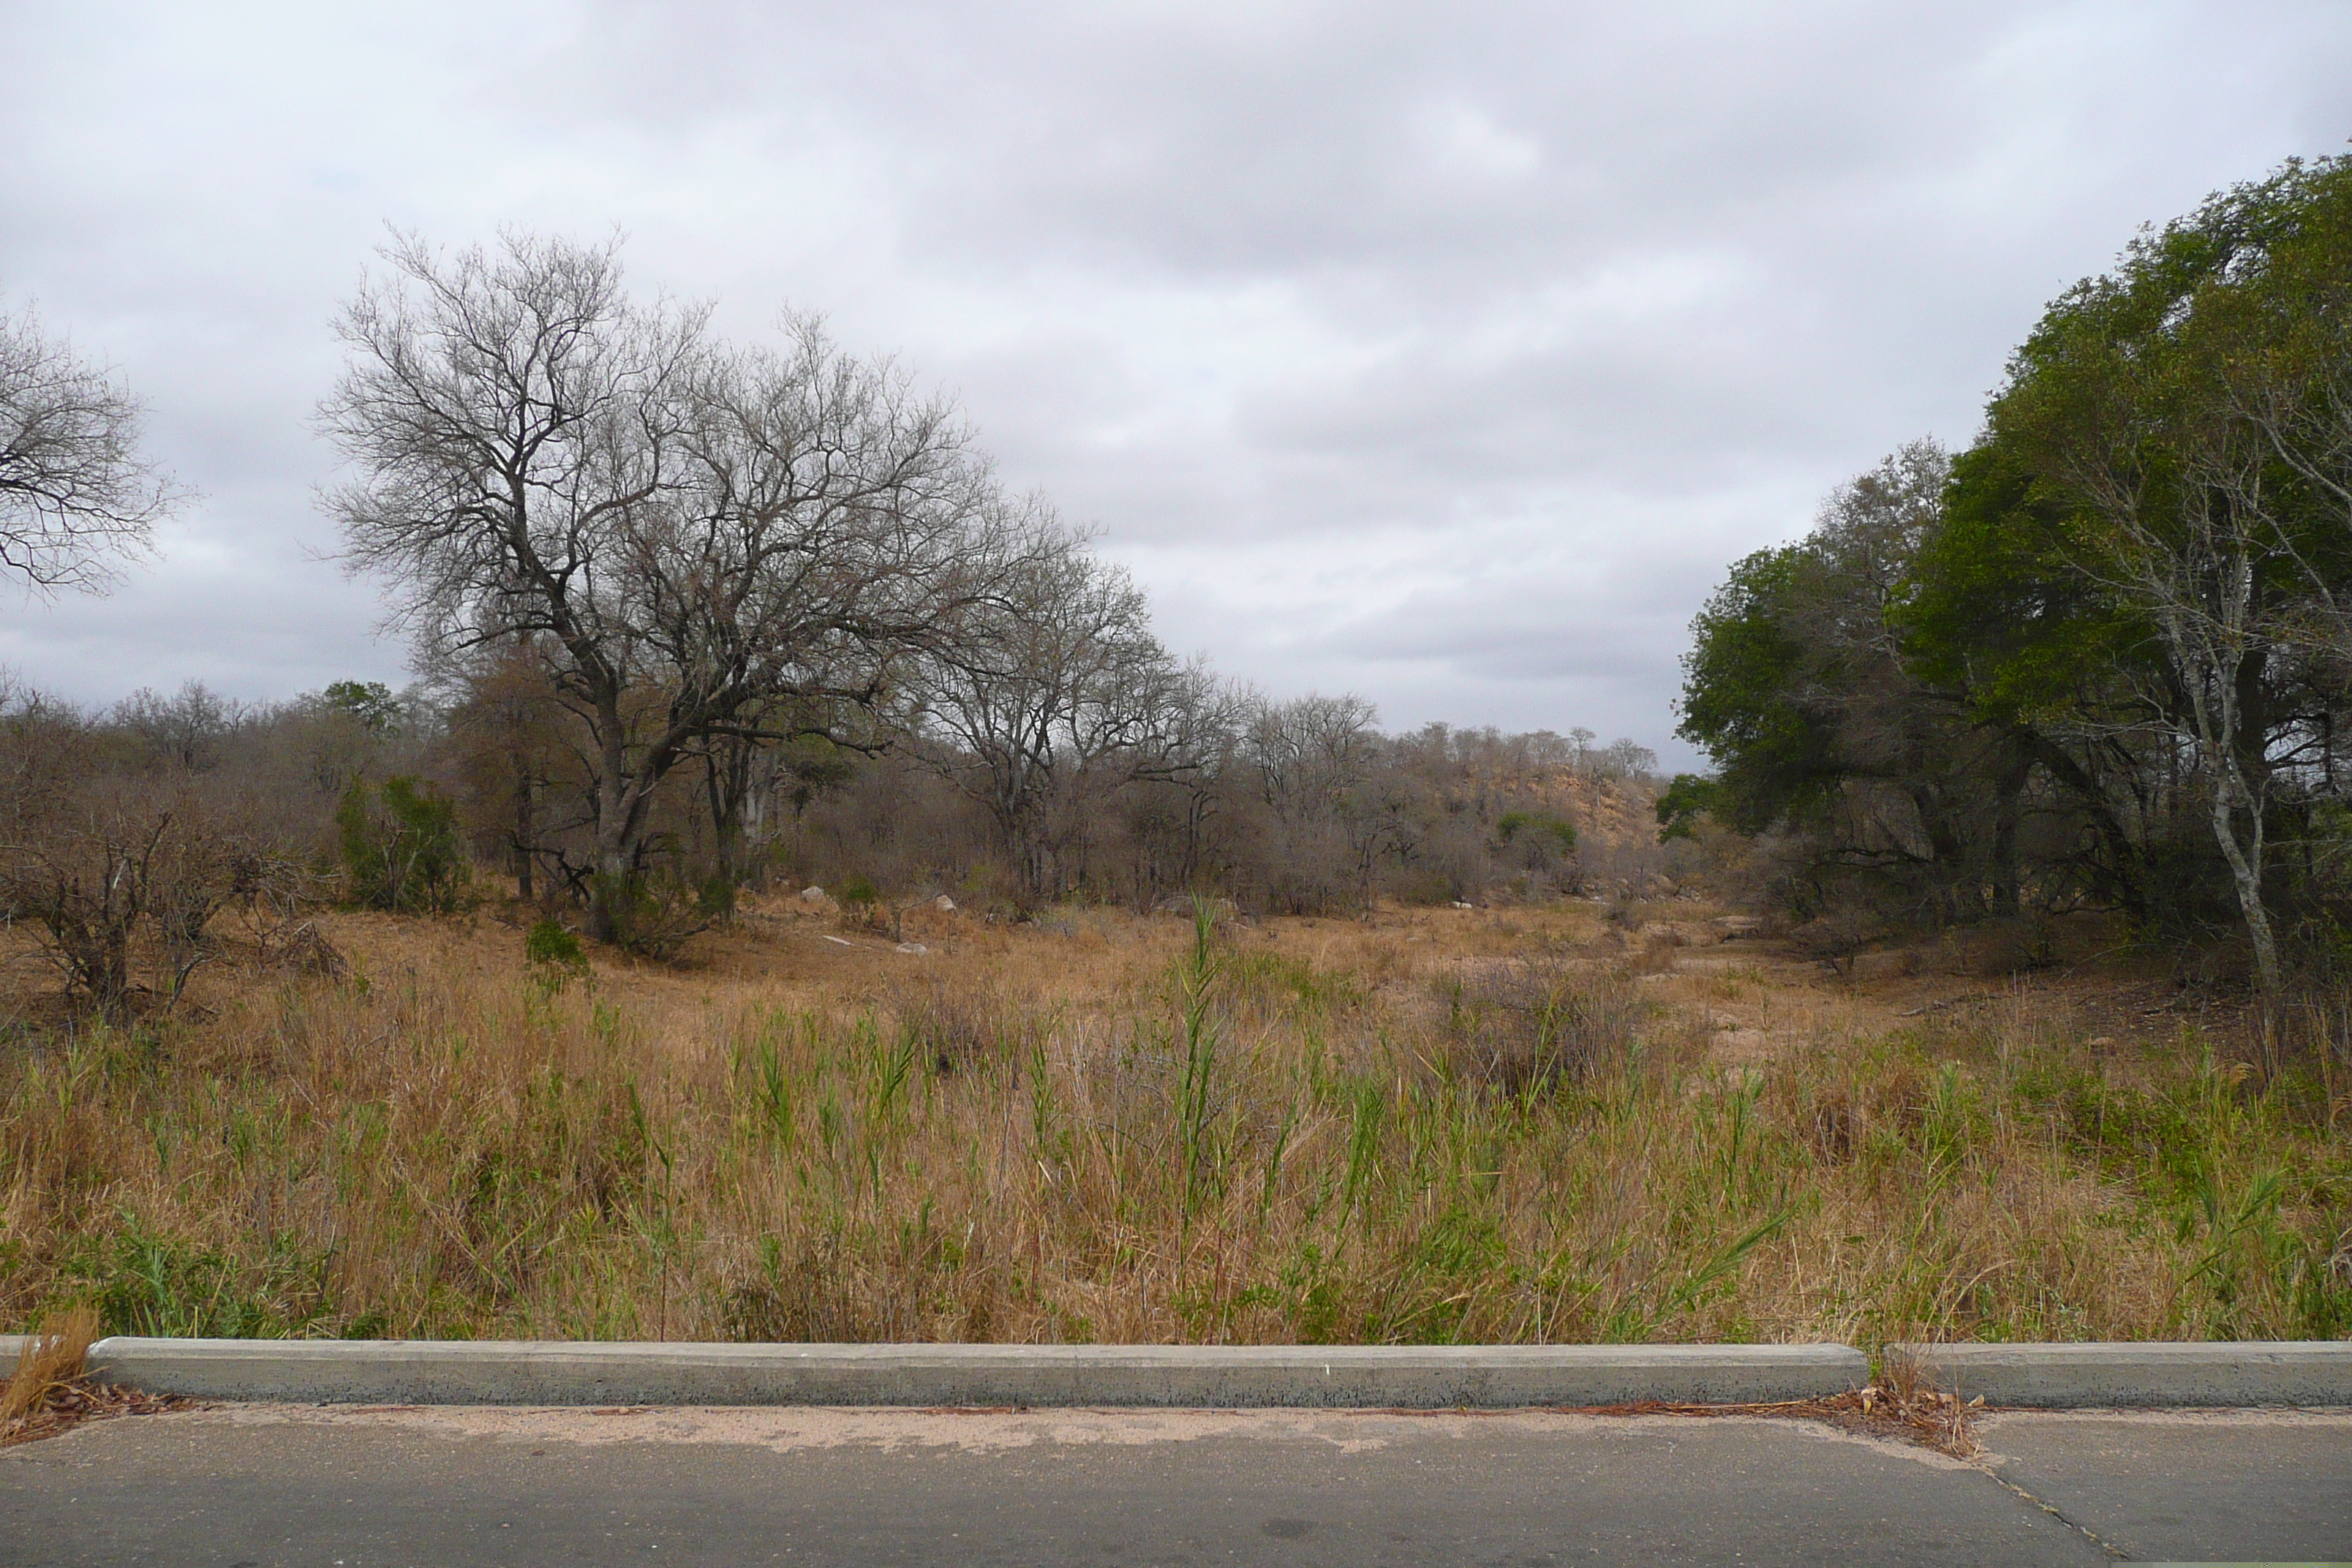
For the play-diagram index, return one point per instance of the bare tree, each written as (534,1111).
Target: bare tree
(185,730)
(1060,682)
(1316,764)
(686,536)
(77,496)
(95,858)
(1311,751)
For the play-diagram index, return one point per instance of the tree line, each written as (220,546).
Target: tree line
(141,841)
(689,615)
(2100,658)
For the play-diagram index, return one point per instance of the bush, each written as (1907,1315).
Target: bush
(1526,1024)
(654,915)
(1554,836)
(550,949)
(401,849)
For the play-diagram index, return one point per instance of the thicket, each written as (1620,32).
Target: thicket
(128,834)
(693,615)
(2101,659)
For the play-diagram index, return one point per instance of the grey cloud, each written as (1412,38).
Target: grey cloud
(1443,355)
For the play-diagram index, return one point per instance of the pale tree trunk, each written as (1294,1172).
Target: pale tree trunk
(2210,653)
(2245,858)
(2199,582)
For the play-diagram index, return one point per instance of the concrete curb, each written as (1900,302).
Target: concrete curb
(419,1372)
(11,1347)
(2226,1373)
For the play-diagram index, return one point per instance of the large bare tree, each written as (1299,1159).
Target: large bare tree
(77,495)
(698,542)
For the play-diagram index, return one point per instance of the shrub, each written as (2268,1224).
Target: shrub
(401,849)
(552,950)
(1527,1023)
(1550,833)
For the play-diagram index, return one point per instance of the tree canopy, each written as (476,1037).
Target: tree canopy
(2105,660)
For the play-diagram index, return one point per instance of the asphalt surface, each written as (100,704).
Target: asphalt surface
(266,1486)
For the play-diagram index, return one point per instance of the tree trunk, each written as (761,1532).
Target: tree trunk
(726,778)
(2006,895)
(2245,858)
(619,812)
(522,830)
(612,894)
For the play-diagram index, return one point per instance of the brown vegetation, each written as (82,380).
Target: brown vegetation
(1504,1124)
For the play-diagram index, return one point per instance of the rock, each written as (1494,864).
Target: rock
(915,947)
(1460,905)
(944,904)
(812,894)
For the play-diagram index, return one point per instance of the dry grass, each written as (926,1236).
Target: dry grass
(51,1361)
(1439,1126)
(45,1394)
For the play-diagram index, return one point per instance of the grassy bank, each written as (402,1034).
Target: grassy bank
(1122,1130)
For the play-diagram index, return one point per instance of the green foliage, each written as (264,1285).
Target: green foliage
(401,847)
(2126,605)
(369,701)
(1197,1100)
(550,949)
(1740,700)
(151,1283)
(1557,836)
(1996,611)
(1682,802)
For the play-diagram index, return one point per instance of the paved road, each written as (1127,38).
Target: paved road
(265,1485)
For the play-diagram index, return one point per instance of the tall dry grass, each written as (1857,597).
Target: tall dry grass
(1137,1132)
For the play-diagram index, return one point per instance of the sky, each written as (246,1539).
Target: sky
(1441,355)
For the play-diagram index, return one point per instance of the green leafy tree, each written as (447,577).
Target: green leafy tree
(369,701)
(2185,416)
(1741,703)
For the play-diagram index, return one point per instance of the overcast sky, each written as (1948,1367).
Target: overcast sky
(1440,353)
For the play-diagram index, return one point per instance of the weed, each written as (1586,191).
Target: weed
(1175,1134)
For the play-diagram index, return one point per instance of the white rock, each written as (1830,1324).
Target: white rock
(944,904)
(812,894)
(915,947)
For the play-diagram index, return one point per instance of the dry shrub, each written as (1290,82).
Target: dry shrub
(1834,938)
(2000,948)
(298,947)
(1527,1023)
(956,1026)
(47,1367)
(832,1289)
(1833,1127)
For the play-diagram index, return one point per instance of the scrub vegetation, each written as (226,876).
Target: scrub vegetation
(1145,1005)
(1537,1124)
